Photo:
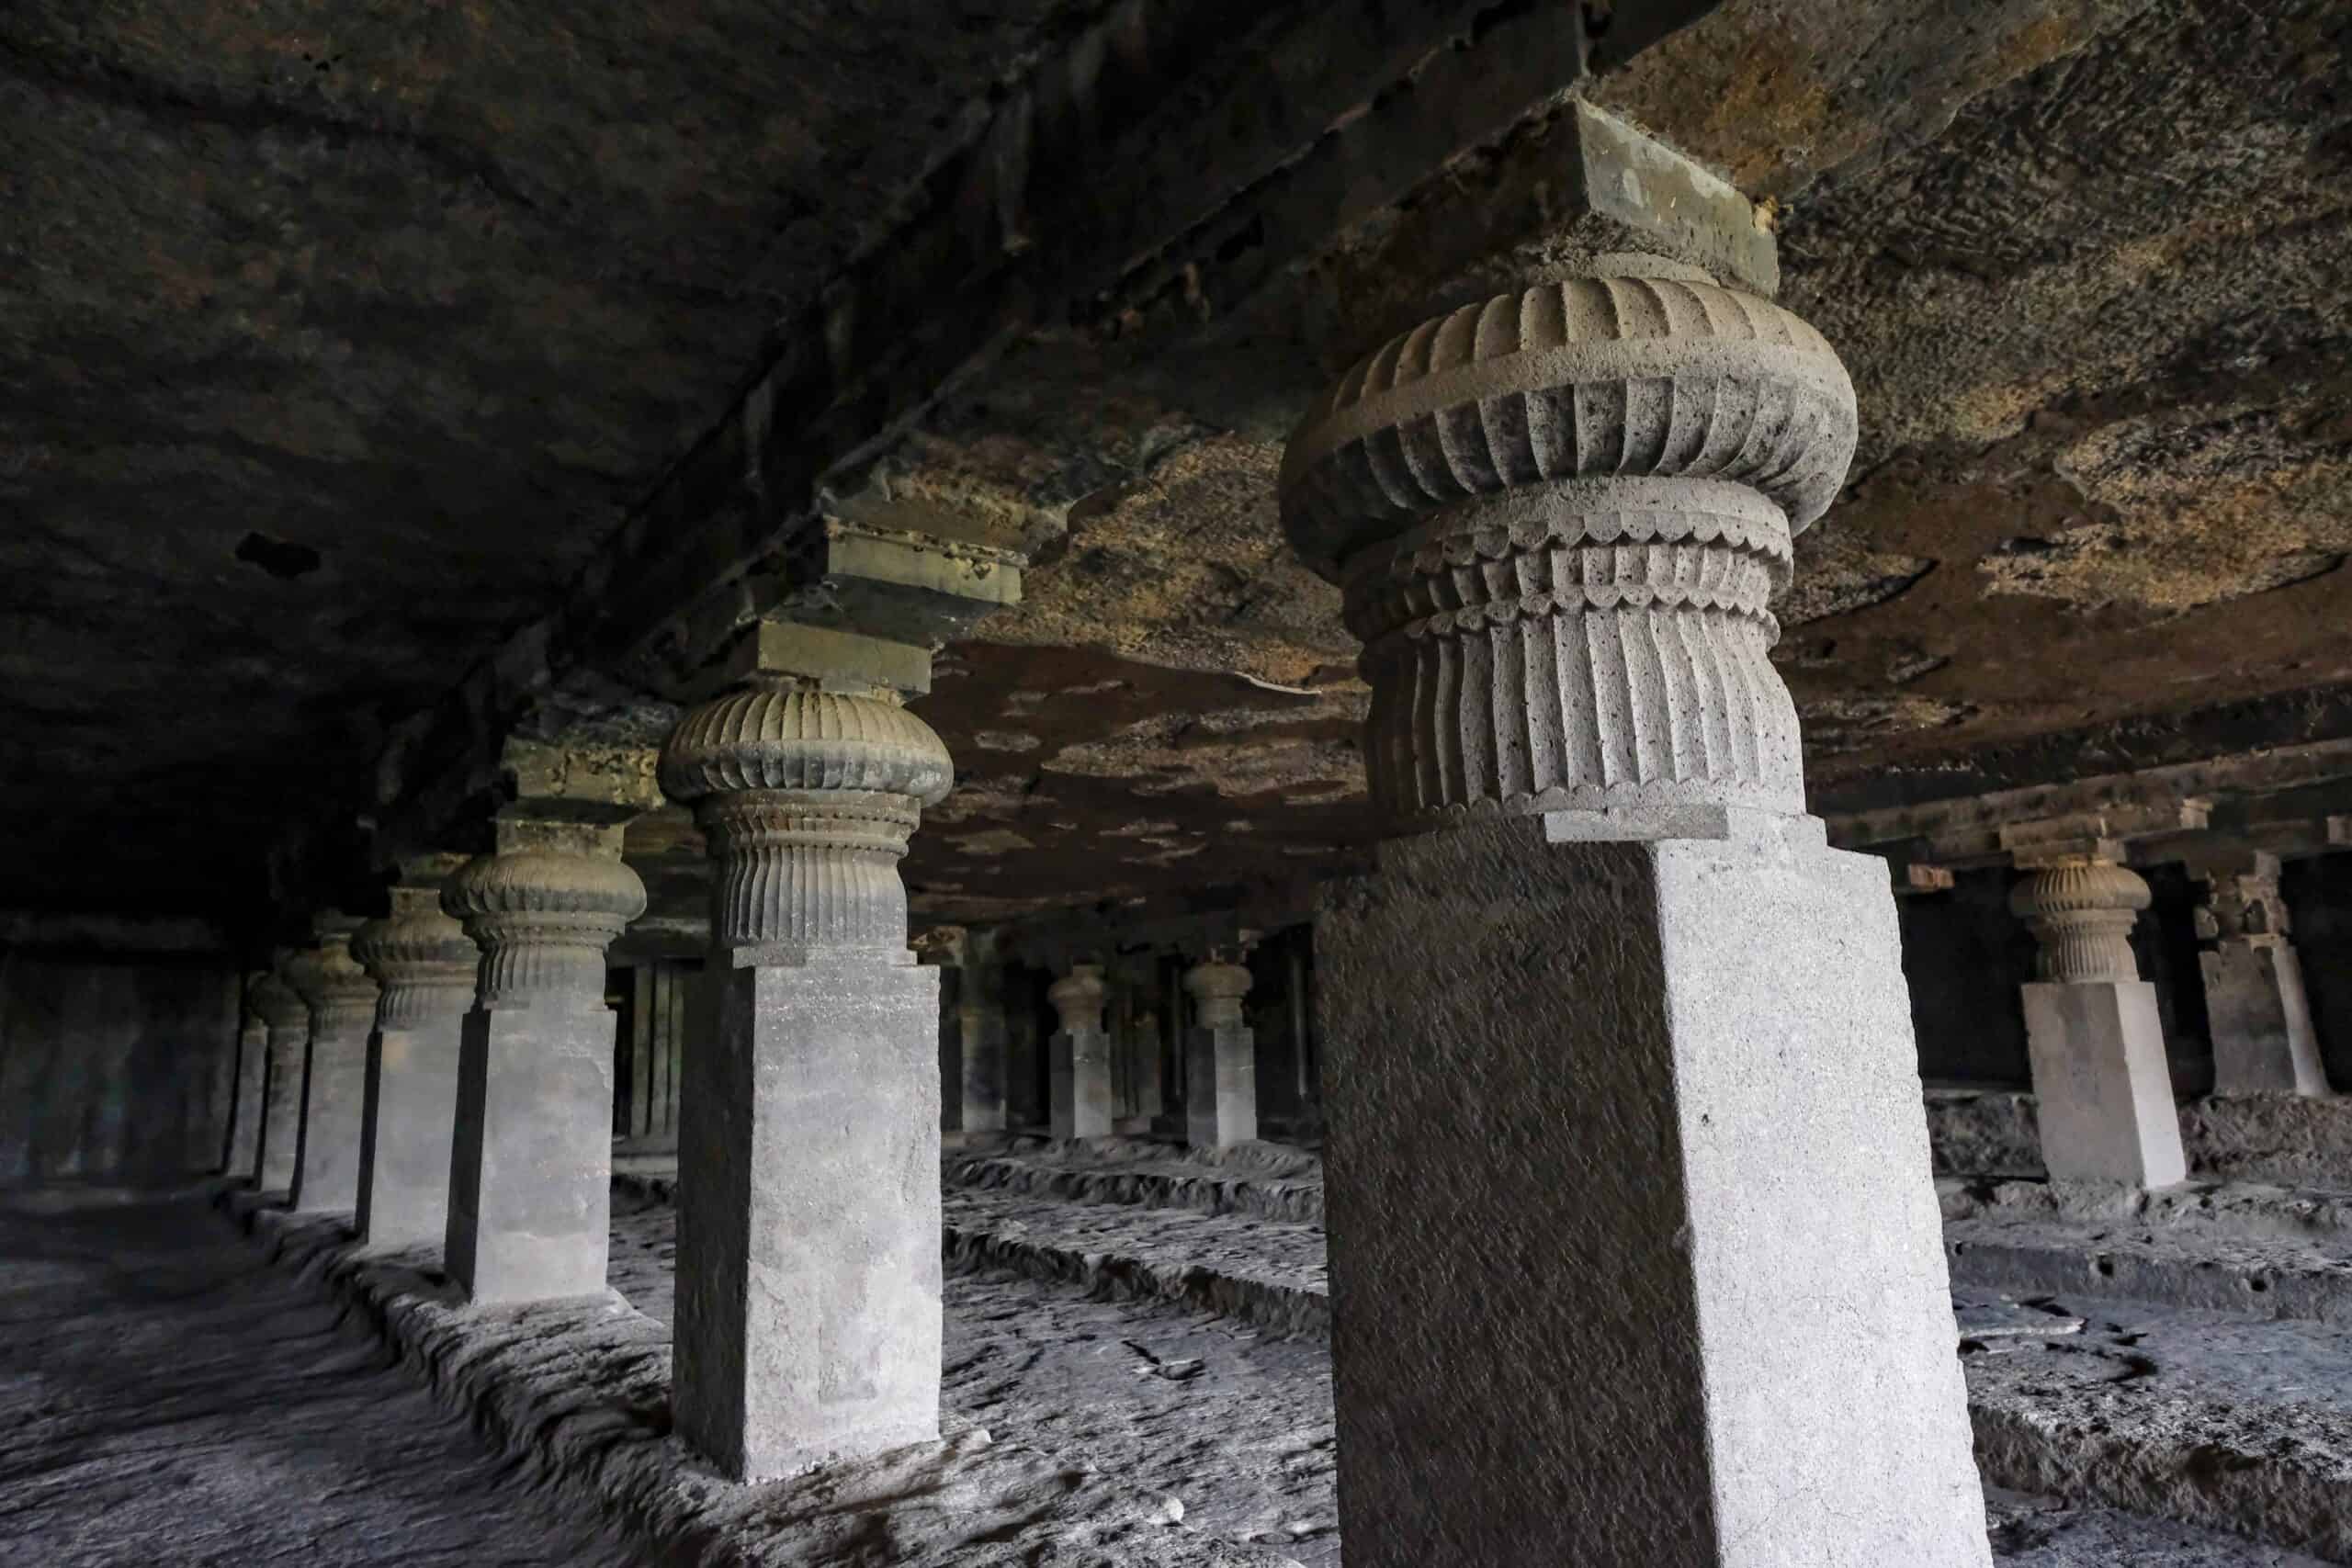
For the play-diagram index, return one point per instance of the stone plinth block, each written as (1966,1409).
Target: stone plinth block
(2261,1020)
(2102,1086)
(411,1128)
(334,1099)
(1220,1086)
(1078,1070)
(530,1182)
(1676,1293)
(809,1215)
(281,1114)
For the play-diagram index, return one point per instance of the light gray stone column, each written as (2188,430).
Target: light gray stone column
(2102,1087)
(2256,1007)
(809,1208)
(242,1160)
(980,1016)
(1221,1060)
(530,1178)
(286,1018)
(334,1086)
(427,966)
(1606,949)
(1078,1062)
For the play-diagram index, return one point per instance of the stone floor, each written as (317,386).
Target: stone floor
(168,1399)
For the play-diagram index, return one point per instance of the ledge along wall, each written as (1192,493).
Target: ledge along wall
(114,1071)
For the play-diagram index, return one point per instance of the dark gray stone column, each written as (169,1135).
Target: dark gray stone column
(242,1160)
(334,1086)
(530,1181)
(2255,1007)
(1607,949)
(286,1017)
(1078,1055)
(427,966)
(1221,1057)
(808,1209)
(980,1016)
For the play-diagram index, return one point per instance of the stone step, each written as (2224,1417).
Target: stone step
(1263,1182)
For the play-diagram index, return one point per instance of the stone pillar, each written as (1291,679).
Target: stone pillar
(427,966)
(2255,1004)
(242,1161)
(530,1178)
(287,1020)
(2102,1087)
(1221,1058)
(980,1016)
(1606,951)
(341,999)
(1078,1056)
(809,1207)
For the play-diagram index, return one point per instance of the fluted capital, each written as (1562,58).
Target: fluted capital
(1217,986)
(280,1005)
(543,913)
(421,956)
(780,733)
(2082,911)
(1078,997)
(1559,519)
(341,993)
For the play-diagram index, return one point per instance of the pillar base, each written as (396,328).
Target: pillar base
(1221,1087)
(1079,1065)
(2261,1020)
(335,1096)
(1697,1258)
(808,1319)
(2102,1087)
(530,1183)
(405,1151)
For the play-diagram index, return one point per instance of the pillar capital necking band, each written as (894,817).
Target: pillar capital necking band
(420,954)
(808,797)
(2081,911)
(1079,997)
(1559,518)
(277,1003)
(1217,984)
(543,908)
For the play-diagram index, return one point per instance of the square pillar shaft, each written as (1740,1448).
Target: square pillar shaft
(244,1158)
(2260,1019)
(530,1185)
(335,1098)
(2102,1087)
(1631,1334)
(406,1156)
(1079,1069)
(288,1045)
(808,1323)
(1221,1100)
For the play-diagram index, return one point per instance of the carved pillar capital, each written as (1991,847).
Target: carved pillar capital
(275,1000)
(808,797)
(340,993)
(2081,911)
(1558,519)
(543,908)
(1217,984)
(2239,900)
(420,954)
(1078,997)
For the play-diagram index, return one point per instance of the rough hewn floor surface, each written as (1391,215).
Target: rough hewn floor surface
(168,1401)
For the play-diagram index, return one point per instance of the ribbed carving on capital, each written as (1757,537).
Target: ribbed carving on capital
(1217,989)
(808,798)
(1559,519)
(2082,914)
(542,919)
(786,735)
(280,1006)
(1078,997)
(342,994)
(425,962)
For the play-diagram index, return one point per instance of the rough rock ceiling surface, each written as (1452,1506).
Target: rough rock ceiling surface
(435,292)
(332,336)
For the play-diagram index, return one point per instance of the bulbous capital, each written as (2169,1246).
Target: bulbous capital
(1078,997)
(280,1005)
(778,734)
(543,918)
(1559,519)
(341,993)
(2082,913)
(422,957)
(1217,986)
